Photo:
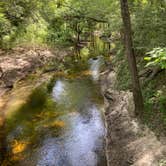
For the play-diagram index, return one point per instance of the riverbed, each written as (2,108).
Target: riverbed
(72,133)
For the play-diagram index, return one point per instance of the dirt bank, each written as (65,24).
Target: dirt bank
(17,63)
(128,142)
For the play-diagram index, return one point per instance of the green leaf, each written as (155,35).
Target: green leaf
(147,58)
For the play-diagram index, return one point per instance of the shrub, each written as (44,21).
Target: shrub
(157,57)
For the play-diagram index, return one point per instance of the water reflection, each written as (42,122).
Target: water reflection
(45,137)
(80,145)
(82,141)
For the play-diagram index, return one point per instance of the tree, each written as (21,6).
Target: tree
(138,99)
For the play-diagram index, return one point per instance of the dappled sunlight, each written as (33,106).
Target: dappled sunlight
(149,150)
(17,153)
(14,106)
(45,115)
(55,124)
(19,146)
(86,73)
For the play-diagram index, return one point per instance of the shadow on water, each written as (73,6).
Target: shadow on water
(61,128)
(26,127)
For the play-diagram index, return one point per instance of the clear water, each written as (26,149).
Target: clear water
(70,135)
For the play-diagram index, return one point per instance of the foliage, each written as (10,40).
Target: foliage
(16,17)
(4,25)
(33,33)
(149,33)
(157,57)
(123,76)
(155,105)
(148,19)
(65,21)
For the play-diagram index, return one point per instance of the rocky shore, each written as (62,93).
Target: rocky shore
(128,141)
(17,63)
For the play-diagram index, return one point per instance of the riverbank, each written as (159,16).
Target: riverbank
(18,63)
(128,141)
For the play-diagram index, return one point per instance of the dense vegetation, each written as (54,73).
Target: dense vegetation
(75,22)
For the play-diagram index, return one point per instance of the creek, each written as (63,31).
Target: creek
(69,134)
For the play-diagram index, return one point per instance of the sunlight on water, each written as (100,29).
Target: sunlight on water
(80,145)
(58,90)
(95,65)
(86,138)
(67,130)
(82,141)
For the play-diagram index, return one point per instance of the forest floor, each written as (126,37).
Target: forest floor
(128,141)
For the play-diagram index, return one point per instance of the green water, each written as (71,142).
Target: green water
(60,125)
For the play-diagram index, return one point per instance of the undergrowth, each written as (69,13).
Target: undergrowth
(154,94)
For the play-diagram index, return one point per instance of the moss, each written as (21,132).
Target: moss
(76,65)
(38,98)
(38,102)
(50,84)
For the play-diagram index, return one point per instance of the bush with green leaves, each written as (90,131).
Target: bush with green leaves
(157,57)
(148,22)
(5,27)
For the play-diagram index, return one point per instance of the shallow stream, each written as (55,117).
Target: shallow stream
(71,134)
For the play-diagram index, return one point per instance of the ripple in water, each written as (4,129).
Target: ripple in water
(80,145)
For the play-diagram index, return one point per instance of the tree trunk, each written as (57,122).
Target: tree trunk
(138,100)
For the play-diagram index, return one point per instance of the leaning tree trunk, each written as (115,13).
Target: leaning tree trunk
(138,100)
